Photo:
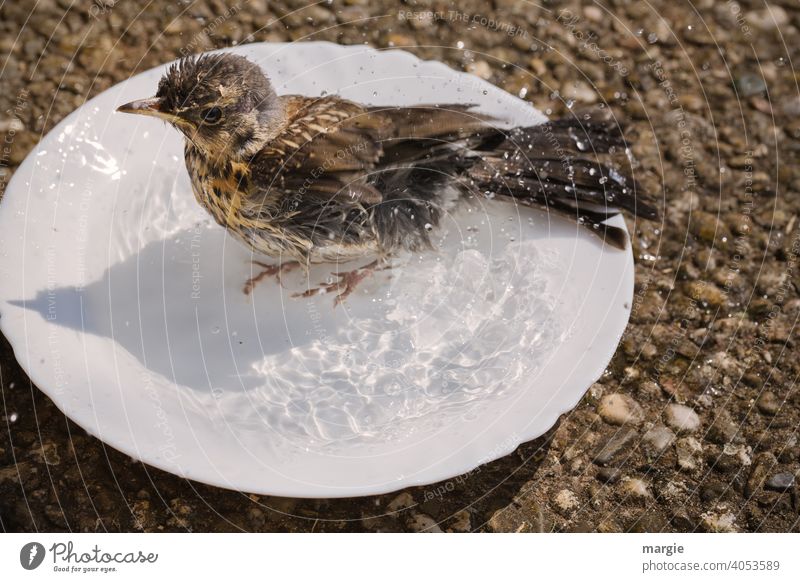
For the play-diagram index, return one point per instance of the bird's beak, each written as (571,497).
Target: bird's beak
(154,107)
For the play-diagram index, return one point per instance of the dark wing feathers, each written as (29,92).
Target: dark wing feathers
(452,121)
(332,148)
(327,148)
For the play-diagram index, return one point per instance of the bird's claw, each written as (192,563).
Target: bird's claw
(346,284)
(269,271)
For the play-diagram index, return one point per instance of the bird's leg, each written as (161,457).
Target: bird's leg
(269,271)
(346,283)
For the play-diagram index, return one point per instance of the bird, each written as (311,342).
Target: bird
(322,179)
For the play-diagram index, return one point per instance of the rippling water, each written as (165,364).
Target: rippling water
(445,334)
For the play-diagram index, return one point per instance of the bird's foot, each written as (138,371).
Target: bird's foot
(345,284)
(269,271)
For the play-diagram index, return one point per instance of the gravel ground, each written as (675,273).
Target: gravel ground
(694,426)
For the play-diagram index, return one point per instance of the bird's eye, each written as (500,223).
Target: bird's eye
(212,116)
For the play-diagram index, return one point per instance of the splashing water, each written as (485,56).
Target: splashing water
(453,335)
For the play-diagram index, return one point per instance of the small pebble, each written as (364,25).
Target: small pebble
(689,453)
(609,474)
(780,482)
(610,448)
(768,403)
(635,488)
(566,500)
(682,418)
(658,438)
(750,84)
(481,69)
(714,522)
(722,430)
(712,491)
(768,19)
(763,464)
(402,501)
(593,13)
(682,520)
(460,522)
(620,409)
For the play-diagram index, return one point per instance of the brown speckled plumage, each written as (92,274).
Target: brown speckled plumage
(326,179)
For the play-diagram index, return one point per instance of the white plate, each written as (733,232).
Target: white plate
(123,303)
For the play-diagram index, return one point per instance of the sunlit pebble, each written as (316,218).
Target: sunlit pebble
(11,385)
(13,417)
(652,38)
(460,44)
(523,92)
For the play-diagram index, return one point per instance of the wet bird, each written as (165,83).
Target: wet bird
(323,179)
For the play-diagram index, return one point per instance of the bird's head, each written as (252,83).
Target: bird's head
(223,104)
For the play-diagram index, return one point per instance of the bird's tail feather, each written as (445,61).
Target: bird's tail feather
(559,165)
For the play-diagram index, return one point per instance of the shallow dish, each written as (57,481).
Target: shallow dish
(124,303)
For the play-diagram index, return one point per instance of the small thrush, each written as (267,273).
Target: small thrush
(323,179)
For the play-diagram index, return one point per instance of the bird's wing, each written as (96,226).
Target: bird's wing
(326,150)
(330,146)
(421,131)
